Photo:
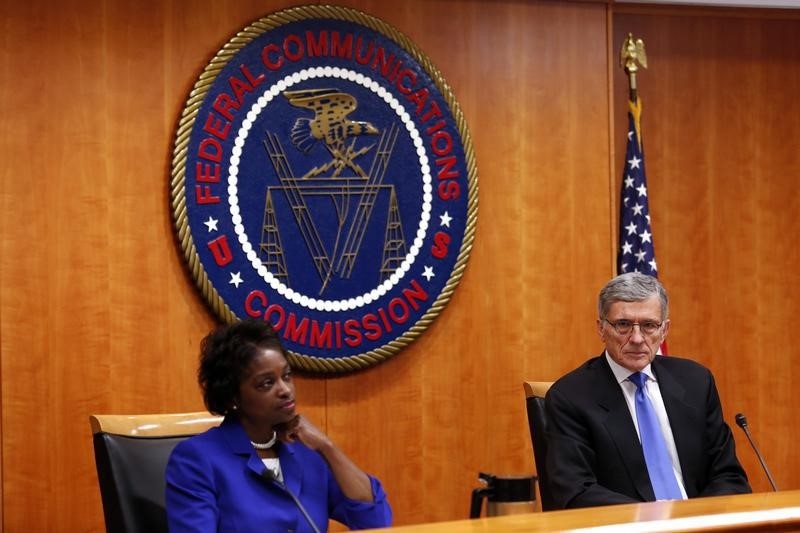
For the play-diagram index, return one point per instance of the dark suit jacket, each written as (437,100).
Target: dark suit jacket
(593,452)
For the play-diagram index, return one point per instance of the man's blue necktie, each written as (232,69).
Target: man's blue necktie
(654,446)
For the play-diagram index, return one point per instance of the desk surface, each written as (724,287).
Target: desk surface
(767,511)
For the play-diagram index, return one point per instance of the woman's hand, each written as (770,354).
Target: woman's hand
(299,428)
(354,483)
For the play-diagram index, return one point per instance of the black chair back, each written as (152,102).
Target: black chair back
(131,473)
(131,454)
(537,423)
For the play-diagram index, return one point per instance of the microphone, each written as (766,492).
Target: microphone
(270,476)
(741,421)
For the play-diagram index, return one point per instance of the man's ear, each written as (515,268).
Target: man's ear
(600,331)
(665,330)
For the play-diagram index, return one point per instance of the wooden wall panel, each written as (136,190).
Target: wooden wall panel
(721,124)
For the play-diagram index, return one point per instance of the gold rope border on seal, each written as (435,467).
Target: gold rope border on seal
(178,179)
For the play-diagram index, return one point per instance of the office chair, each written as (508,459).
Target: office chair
(131,453)
(537,422)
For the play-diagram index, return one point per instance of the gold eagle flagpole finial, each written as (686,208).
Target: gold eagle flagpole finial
(631,53)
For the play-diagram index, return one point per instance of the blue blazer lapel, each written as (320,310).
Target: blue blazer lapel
(234,435)
(620,427)
(292,468)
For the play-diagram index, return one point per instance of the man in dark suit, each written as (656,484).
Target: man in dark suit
(595,456)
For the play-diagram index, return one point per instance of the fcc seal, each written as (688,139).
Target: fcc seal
(323,179)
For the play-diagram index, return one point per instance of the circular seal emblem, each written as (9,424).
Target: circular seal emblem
(323,179)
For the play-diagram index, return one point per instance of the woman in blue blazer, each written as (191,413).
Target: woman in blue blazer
(265,468)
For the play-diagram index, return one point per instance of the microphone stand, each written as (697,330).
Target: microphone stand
(741,421)
(268,474)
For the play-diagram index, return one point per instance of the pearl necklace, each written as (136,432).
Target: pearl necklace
(266,445)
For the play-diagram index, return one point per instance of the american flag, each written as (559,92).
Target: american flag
(636,252)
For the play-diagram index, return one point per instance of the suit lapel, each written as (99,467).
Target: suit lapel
(682,416)
(237,440)
(291,467)
(620,427)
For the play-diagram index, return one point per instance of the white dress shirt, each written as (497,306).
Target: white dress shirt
(653,393)
(273,464)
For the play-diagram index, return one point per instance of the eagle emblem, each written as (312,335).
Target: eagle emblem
(331,126)
(632,51)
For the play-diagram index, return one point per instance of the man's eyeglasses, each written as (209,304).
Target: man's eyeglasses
(625,327)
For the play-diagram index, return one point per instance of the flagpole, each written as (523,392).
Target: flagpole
(633,244)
